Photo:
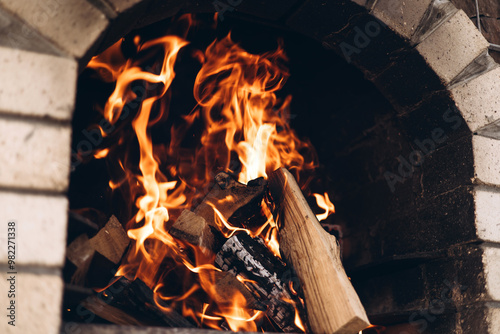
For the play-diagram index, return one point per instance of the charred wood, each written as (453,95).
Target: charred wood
(265,275)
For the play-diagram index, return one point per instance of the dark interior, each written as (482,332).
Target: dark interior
(358,137)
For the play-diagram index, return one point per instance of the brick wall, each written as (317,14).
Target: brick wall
(424,56)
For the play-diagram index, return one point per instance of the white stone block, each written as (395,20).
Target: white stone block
(453,46)
(479,99)
(40,232)
(401,15)
(486,159)
(487,202)
(36,84)
(491,262)
(73,25)
(38,296)
(35,155)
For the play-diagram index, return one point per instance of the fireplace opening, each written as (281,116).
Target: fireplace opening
(401,178)
(333,108)
(415,180)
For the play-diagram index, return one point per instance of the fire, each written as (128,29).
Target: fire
(324,203)
(245,131)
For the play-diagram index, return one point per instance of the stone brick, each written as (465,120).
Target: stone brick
(319,19)
(38,301)
(35,155)
(443,221)
(434,225)
(486,159)
(16,34)
(400,84)
(37,84)
(157,10)
(122,5)
(445,168)
(453,46)
(440,285)
(478,99)
(368,4)
(369,44)
(446,221)
(493,319)
(402,16)
(41,227)
(491,262)
(435,115)
(487,202)
(270,10)
(388,293)
(73,25)
(480,318)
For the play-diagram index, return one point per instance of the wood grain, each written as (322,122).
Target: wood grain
(331,301)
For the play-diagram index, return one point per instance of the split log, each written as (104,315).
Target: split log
(80,253)
(111,241)
(331,302)
(136,299)
(96,258)
(110,313)
(222,286)
(191,228)
(236,202)
(264,275)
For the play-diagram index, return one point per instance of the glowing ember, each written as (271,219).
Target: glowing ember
(244,131)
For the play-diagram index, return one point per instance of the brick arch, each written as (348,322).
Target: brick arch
(424,56)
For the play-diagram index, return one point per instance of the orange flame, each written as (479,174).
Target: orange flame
(324,203)
(245,132)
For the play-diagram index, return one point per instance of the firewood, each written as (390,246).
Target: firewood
(264,275)
(331,302)
(111,241)
(236,202)
(193,229)
(222,286)
(109,313)
(96,258)
(135,297)
(80,253)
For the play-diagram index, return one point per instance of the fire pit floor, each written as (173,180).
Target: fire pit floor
(115,329)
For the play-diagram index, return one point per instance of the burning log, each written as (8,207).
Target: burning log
(331,302)
(237,202)
(264,275)
(222,286)
(109,313)
(95,258)
(136,303)
(194,229)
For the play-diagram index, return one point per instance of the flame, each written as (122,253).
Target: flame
(375,329)
(238,317)
(245,131)
(324,203)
